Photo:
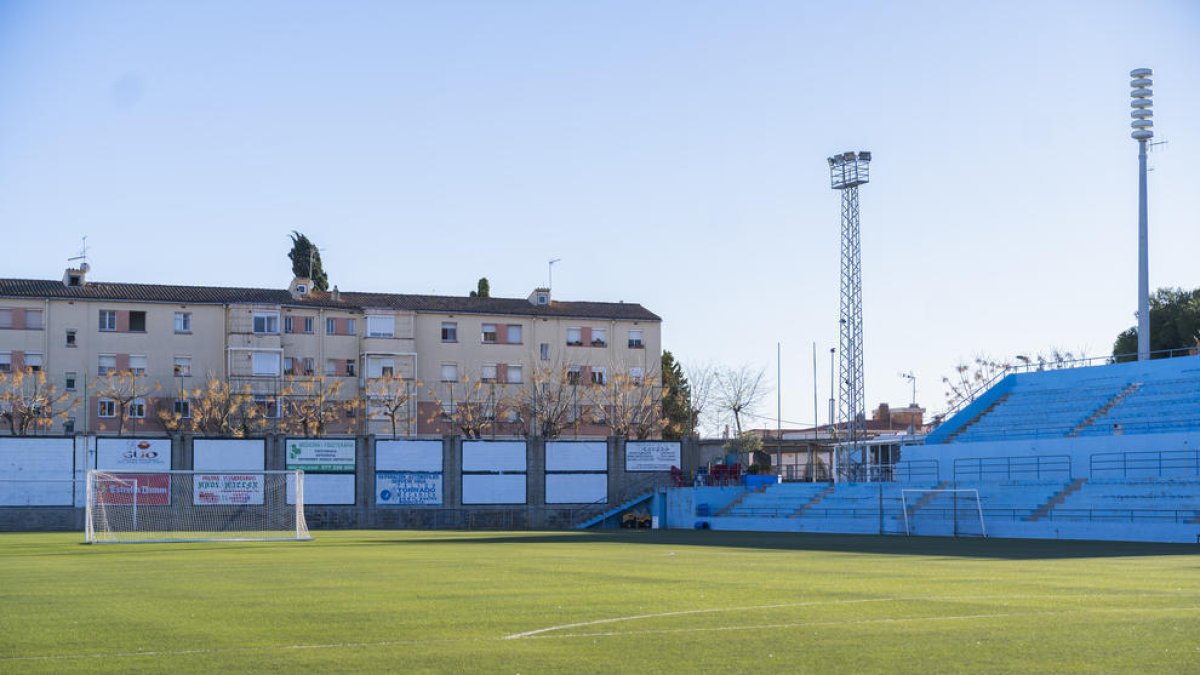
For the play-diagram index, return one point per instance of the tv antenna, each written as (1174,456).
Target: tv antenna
(550,275)
(83,249)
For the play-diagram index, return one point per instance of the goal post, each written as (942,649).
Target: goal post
(182,506)
(943,511)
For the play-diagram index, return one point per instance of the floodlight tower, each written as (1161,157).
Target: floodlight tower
(1143,131)
(846,172)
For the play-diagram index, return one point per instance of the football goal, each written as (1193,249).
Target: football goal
(176,506)
(943,512)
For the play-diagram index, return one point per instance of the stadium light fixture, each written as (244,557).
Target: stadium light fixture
(1142,123)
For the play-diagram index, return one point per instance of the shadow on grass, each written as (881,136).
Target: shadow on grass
(1007,549)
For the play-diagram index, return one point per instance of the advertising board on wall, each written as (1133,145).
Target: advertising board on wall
(36,471)
(321,455)
(143,489)
(651,455)
(228,488)
(408,488)
(133,454)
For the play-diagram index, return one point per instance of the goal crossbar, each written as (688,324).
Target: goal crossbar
(129,506)
(908,510)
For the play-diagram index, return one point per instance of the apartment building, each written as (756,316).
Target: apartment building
(452,351)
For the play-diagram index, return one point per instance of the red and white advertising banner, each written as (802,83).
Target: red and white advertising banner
(152,489)
(228,488)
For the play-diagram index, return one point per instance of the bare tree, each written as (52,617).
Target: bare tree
(702,379)
(391,397)
(215,408)
(739,391)
(28,403)
(312,405)
(544,402)
(630,405)
(473,407)
(127,390)
(970,379)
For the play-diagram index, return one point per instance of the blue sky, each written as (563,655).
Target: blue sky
(671,154)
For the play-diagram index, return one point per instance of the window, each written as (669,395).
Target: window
(308,324)
(264,363)
(106,407)
(598,376)
(636,374)
(183,322)
(137,408)
(635,339)
(514,374)
(33,319)
(71,339)
(573,375)
(351,327)
(544,351)
(106,363)
(70,381)
(289,324)
(449,331)
(6,318)
(574,337)
(514,334)
(6,362)
(183,408)
(488,372)
(380,367)
(33,362)
(74,280)
(289,365)
(449,372)
(488,334)
(137,322)
(381,326)
(267,405)
(543,299)
(137,364)
(310,365)
(108,320)
(330,367)
(350,366)
(266,323)
(301,289)
(331,326)
(183,366)
(599,337)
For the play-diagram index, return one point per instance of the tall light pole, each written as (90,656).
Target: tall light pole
(550,273)
(847,171)
(1143,131)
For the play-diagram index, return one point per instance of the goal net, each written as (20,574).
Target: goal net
(167,506)
(943,512)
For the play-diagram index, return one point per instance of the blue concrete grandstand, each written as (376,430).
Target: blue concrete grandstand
(1096,452)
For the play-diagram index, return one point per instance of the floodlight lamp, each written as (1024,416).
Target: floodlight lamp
(848,156)
(864,155)
(1142,135)
(1141,93)
(1142,124)
(831,161)
(1141,83)
(1141,103)
(1141,113)
(1141,72)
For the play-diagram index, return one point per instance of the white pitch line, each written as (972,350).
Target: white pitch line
(711,610)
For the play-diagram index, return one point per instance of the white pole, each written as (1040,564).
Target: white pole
(1143,260)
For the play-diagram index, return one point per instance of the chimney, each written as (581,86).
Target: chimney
(76,277)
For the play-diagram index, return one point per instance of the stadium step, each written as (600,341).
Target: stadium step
(814,501)
(1045,509)
(973,420)
(738,500)
(928,496)
(596,520)
(1103,410)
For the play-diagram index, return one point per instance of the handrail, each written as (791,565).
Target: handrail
(1010,465)
(1144,461)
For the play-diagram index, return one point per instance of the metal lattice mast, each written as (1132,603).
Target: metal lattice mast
(846,172)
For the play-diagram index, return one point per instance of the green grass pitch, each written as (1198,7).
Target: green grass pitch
(598,602)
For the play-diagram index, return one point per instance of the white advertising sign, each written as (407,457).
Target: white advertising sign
(329,489)
(651,455)
(321,455)
(493,456)
(134,454)
(493,488)
(576,488)
(222,454)
(408,488)
(576,456)
(408,456)
(36,471)
(228,488)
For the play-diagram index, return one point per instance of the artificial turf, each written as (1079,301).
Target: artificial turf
(598,602)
